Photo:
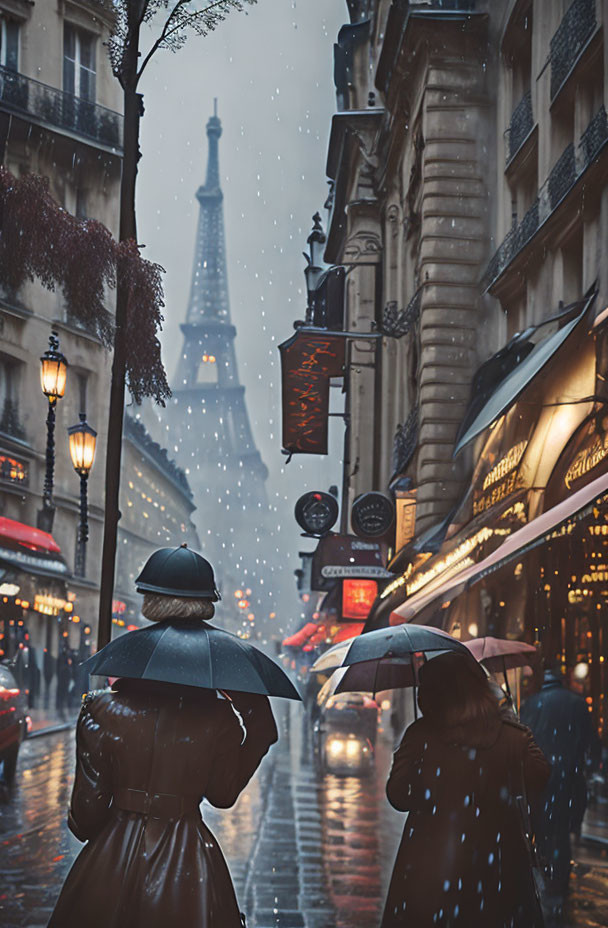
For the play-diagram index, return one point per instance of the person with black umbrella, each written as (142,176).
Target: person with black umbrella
(188,719)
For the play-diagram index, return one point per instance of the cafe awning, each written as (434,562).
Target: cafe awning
(30,550)
(523,374)
(27,535)
(540,530)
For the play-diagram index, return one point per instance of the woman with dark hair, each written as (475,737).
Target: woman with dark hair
(463,861)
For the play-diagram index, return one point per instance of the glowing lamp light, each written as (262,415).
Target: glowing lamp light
(581,671)
(82,439)
(53,370)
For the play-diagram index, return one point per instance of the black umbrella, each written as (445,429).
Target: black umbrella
(192,654)
(400,641)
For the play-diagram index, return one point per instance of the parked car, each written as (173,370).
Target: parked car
(14,723)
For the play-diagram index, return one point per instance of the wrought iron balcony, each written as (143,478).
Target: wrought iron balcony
(521,125)
(594,137)
(404,443)
(562,176)
(566,172)
(55,108)
(571,36)
(398,322)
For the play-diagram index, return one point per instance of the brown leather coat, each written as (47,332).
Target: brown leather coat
(146,756)
(463,860)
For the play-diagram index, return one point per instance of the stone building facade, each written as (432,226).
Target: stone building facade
(59,117)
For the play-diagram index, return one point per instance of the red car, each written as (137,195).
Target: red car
(13,724)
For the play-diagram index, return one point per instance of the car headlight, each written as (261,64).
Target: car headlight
(336,747)
(353,750)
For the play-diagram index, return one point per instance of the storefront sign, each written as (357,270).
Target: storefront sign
(499,492)
(339,556)
(406,519)
(506,464)
(49,605)
(33,563)
(586,460)
(358,598)
(308,362)
(450,560)
(353,571)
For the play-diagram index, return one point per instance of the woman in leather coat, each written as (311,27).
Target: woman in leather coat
(147,755)
(463,861)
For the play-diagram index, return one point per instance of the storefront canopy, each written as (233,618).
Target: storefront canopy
(27,535)
(516,382)
(522,540)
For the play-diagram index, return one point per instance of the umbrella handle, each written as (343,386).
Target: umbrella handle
(415,702)
(504,673)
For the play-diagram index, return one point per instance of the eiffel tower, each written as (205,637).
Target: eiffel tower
(208,420)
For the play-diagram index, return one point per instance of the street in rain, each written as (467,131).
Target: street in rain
(303,464)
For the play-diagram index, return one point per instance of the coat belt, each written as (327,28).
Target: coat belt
(156,805)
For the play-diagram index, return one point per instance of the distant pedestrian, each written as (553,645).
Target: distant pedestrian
(464,861)
(147,754)
(563,728)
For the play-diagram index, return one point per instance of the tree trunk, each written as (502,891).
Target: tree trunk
(132,115)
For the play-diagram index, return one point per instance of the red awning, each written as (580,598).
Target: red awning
(300,637)
(534,533)
(317,638)
(28,536)
(348,631)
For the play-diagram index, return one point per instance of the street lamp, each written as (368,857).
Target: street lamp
(314,262)
(53,373)
(82,439)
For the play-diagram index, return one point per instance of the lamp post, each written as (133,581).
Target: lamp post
(53,374)
(314,262)
(82,439)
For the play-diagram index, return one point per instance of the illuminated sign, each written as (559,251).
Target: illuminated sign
(406,520)
(453,558)
(361,570)
(506,464)
(358,598)
(497,493)
(49,605)
(308,362)
(586,460)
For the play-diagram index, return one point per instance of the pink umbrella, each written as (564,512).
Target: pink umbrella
(500,654)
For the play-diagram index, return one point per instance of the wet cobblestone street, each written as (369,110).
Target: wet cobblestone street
(306,850)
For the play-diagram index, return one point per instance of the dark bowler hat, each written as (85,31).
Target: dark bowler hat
(178,572)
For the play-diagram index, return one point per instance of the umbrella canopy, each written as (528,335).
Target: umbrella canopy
(331,659)
(192,654)
(401,641)
(499,654)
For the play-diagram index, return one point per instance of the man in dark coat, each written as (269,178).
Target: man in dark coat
(563,728)
(463,861)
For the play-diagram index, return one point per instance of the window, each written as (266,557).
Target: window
(79,63)
(9,410)
(9,44)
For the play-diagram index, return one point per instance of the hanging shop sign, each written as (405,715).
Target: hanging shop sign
(346,556)
(308,362)
(358,598)
(405,510)
(372,515)
(317,512)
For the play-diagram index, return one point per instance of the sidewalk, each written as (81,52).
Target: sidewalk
(48,721)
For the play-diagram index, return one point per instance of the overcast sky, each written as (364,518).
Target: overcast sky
(271,70)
